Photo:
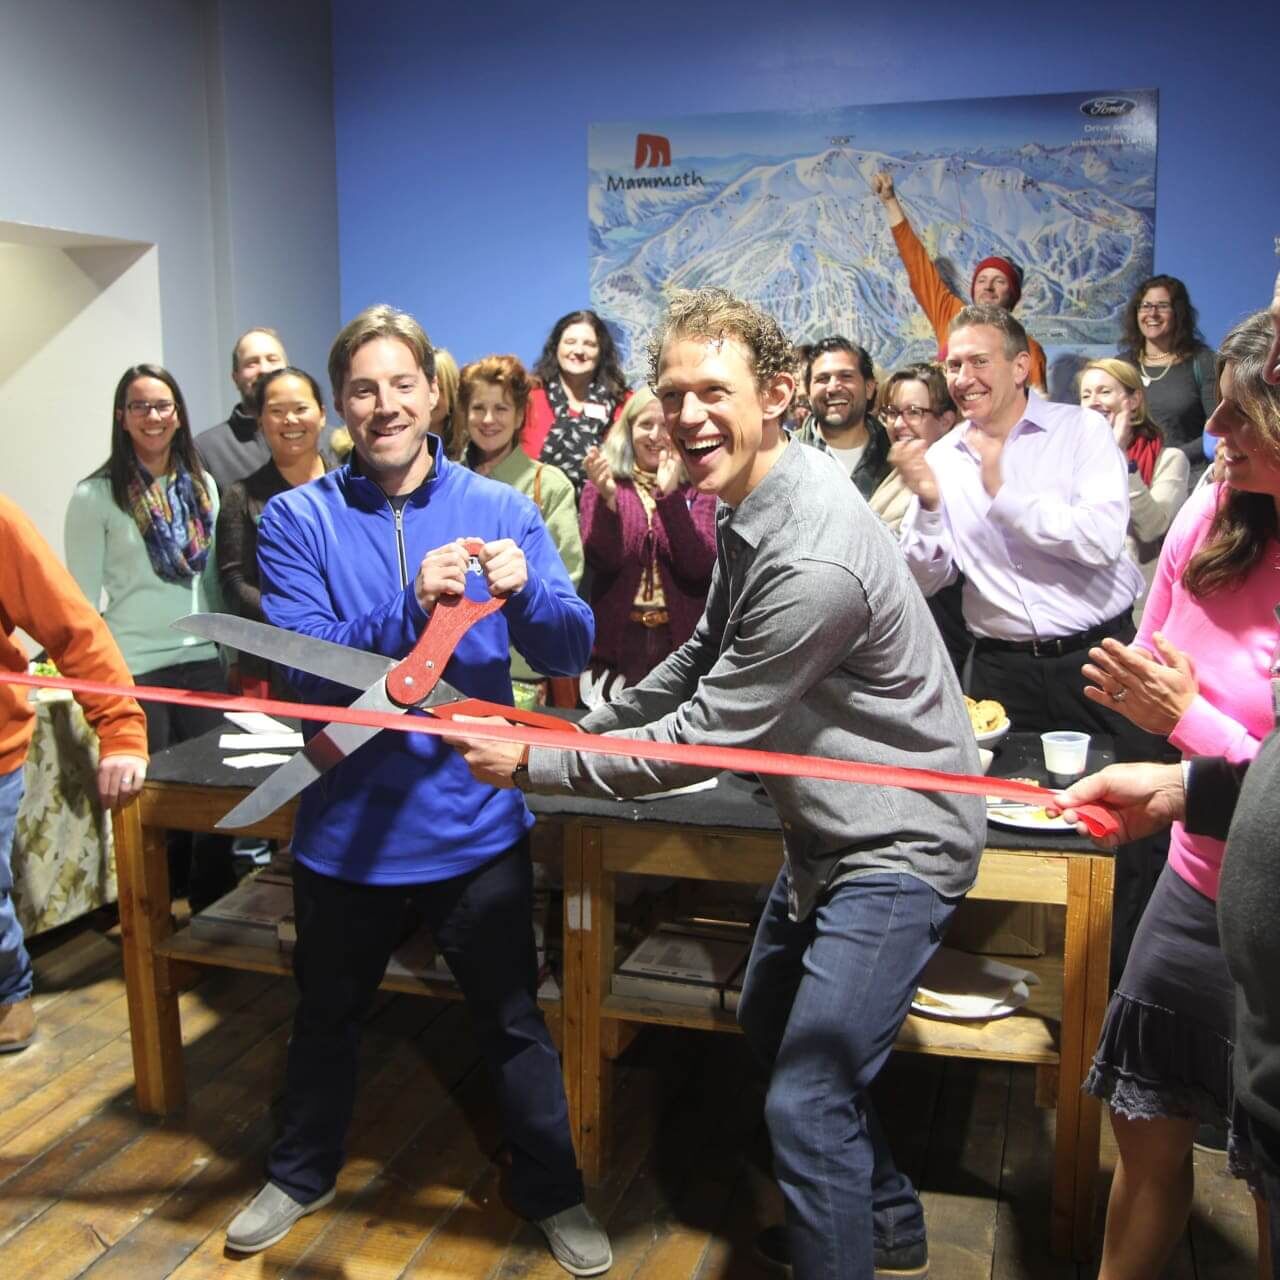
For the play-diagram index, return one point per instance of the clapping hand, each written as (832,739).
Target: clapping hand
(1152,694)
(917,474)
(600,473)
(990,450)
(668,475)
(1122,428)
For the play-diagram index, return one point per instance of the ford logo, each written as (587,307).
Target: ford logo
(1107,107)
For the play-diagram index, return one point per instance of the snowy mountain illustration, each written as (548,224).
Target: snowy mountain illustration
(807,239)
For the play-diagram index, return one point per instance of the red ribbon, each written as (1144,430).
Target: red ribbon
(1100,821)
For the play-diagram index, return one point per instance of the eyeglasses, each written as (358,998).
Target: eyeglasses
(912,413)
(144,408)
(1157,307)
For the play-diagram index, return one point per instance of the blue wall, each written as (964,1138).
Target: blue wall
(462,134)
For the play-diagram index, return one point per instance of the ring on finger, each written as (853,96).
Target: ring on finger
(1120,694)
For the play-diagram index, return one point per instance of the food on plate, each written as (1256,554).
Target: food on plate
(985,715)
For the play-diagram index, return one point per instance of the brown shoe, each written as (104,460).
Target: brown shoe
(17,1025)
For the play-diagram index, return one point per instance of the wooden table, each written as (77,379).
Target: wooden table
(725,835)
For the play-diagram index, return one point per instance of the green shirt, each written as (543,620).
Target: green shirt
(108,559)
(556,501)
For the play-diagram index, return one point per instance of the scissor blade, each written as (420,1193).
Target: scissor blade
(355,668)
(333,743)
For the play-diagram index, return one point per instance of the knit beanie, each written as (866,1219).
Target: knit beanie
(1011,272)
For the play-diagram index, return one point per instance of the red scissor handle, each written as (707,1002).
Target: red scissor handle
(413,679)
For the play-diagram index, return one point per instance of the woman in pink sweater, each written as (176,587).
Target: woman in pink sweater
(1198,673)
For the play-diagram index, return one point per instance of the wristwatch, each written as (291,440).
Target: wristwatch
(520,774)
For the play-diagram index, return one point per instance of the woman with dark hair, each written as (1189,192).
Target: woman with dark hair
(1162,341)
(492,397)
(580,393)
(289,406)
(1198,673)
(140,532)
(1159,478)
(650,539)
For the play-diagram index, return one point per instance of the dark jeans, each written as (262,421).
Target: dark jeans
(821,1005)
(1041,694)
(482,923)
(200,864)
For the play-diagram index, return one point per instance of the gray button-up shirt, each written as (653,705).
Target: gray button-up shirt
(816,641)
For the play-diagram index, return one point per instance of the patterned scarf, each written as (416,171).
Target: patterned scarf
(175,517)
(1144,452)
(572,434)
(649,593)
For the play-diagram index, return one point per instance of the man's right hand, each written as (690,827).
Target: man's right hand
(917,474)
(1145,797)
(443,572)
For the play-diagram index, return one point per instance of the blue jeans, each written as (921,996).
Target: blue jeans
(821,1005)
(15,964)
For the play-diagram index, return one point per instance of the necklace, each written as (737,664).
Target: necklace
(1147,379)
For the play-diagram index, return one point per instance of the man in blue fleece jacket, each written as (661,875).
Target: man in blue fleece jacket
(360,557)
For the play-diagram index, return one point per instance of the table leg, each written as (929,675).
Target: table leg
(1084,994)
(571,976)
(1088,1138)
(142,873)
(596,917)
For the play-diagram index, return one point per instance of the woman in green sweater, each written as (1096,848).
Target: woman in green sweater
(492,396)
(139,539)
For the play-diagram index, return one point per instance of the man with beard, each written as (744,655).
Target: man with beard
(841,386)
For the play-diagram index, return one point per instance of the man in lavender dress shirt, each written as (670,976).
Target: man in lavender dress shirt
(1029,500)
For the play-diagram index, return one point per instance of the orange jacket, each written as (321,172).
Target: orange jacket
(939,303)
(40,596)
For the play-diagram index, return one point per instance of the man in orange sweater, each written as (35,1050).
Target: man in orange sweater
(996,281)
(40,596)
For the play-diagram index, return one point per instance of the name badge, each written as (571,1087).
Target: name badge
(596,411)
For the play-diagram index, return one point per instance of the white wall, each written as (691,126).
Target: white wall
(202,127)
(78,314)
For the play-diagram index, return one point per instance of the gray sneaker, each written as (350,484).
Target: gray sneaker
(578,1242)
(268,1217)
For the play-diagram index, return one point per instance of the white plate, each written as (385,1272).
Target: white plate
(1024,819)
(992,736)
(1017,998)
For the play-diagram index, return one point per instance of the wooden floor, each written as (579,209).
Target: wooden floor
(89,1188)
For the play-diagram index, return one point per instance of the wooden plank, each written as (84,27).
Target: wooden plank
(1223,1229)
(1021,1248)
(961,1185)
(142,875)
(1018,876)
(597,966)
(1074,1055)
(694,854)
(195,808)
(73,1152)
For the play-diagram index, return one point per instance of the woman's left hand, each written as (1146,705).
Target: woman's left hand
(668,474)
(1122,428)
(1152,694)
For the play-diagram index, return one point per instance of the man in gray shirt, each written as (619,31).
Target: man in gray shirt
(815,640)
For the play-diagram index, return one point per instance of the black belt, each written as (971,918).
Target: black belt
(1056,646)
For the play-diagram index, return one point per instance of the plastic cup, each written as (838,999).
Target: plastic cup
(1065,753)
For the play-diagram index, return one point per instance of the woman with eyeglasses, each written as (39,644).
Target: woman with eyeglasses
(579,394)
(1177,369)
(140,542)
(290,410)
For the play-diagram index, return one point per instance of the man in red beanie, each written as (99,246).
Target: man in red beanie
(996,281)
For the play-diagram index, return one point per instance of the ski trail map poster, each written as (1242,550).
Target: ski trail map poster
(778,208)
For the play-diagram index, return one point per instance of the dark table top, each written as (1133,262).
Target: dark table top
(735,802)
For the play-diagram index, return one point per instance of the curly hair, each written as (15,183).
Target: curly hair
(1187,339)
(717,314)
(608,368)
(502,371)
(1244,522)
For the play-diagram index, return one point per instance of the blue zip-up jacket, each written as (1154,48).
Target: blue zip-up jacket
(338,562)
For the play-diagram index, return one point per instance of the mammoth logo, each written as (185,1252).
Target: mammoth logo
(1107,107)
(653,150)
